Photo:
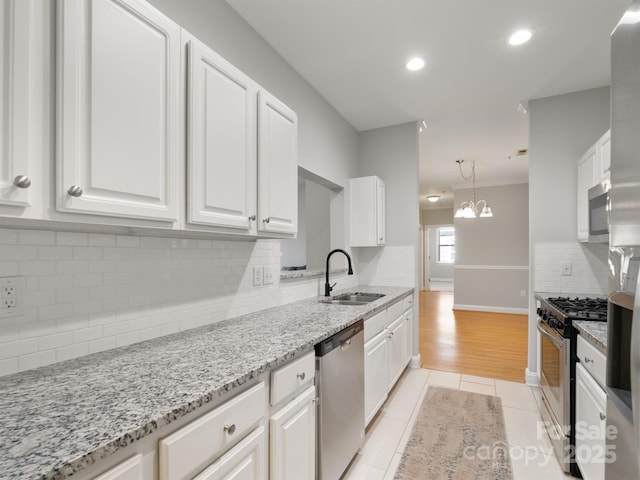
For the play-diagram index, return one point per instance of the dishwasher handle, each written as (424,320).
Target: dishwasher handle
(341,339)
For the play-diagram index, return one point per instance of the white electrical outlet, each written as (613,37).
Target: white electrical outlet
(268,275)
(523,293)
(257,276)
(12,296)
(565,267)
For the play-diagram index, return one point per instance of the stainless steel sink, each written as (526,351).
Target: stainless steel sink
(353,298)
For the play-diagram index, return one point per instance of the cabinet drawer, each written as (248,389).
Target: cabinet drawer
(130,469)
(374,325)
(594,361)
(244,461)
(291,377)
(394,311)
(187,451)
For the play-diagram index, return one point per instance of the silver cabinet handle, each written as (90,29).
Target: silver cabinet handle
(588,360)
(230,429)
(602,416)
(301,376)
(75,191)
(252,218)
(267,220)
(22,181)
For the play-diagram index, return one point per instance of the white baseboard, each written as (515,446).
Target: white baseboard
(416,361)
(434,279)
(484,308)
(531,378)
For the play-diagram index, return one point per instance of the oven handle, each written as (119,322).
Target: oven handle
(547,332)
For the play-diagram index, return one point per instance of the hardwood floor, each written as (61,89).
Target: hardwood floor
(474,343)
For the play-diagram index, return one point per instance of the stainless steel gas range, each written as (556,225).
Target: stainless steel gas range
(558,367)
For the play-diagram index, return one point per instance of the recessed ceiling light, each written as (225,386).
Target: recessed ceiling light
(416,63)
(520,36)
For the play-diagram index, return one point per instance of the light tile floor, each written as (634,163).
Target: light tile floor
(531,453)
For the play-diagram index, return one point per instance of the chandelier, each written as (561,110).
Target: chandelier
(472,209)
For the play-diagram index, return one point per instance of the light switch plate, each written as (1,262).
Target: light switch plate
(12,296)
(268,275)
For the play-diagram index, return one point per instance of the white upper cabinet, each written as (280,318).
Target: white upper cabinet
(222,136)
(277,167)
(20,100)
(593,167)
(118,101)
(586,180)
(368,216)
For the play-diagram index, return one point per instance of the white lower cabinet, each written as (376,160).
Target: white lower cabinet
(387,351)
(591,425)
(396,350)
(375,375)
(192,449)
(293,433)
(245,461)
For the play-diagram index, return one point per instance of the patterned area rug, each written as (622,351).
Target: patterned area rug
(457,436)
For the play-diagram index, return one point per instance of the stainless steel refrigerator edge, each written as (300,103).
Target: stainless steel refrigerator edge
(623,354)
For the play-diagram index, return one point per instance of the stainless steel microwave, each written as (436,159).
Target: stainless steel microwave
(599,213)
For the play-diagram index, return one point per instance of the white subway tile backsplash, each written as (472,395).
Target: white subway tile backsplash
(589,268)
(90,292)
(35,360)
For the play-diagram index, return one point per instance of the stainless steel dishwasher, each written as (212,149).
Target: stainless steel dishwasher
(340,387)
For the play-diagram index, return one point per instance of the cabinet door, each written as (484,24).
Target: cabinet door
(408,336)
(293,438)
(586,180)
(277,166)
(396,350)
(604,156)
(375,375)
(222,142)
(130,469)
(118,120)
(591,426)
(380,212)
(245,461)
(19,100)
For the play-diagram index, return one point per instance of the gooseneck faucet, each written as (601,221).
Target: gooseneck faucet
(327,286)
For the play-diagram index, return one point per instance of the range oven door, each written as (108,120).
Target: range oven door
(554,381)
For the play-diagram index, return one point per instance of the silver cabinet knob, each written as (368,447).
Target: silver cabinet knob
(588,360)
(22,181)
(602,416)
(230,429)
(252,218)
(267,220)
(75,191)
(301,376)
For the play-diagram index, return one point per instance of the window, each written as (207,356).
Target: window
(446,245)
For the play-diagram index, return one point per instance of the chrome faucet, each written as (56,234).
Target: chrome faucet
(327,286)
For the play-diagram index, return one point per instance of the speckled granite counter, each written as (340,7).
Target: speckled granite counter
(56,420)
(594,332)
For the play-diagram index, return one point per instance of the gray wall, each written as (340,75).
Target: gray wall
(392,154)
(561,128)
(492,254)
(436,216)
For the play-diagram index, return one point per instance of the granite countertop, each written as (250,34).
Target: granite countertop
(594,332)
(58,419)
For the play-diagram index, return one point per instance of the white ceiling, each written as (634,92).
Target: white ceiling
(353,52)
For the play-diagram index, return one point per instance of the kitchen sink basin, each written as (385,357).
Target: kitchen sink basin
(355,298)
